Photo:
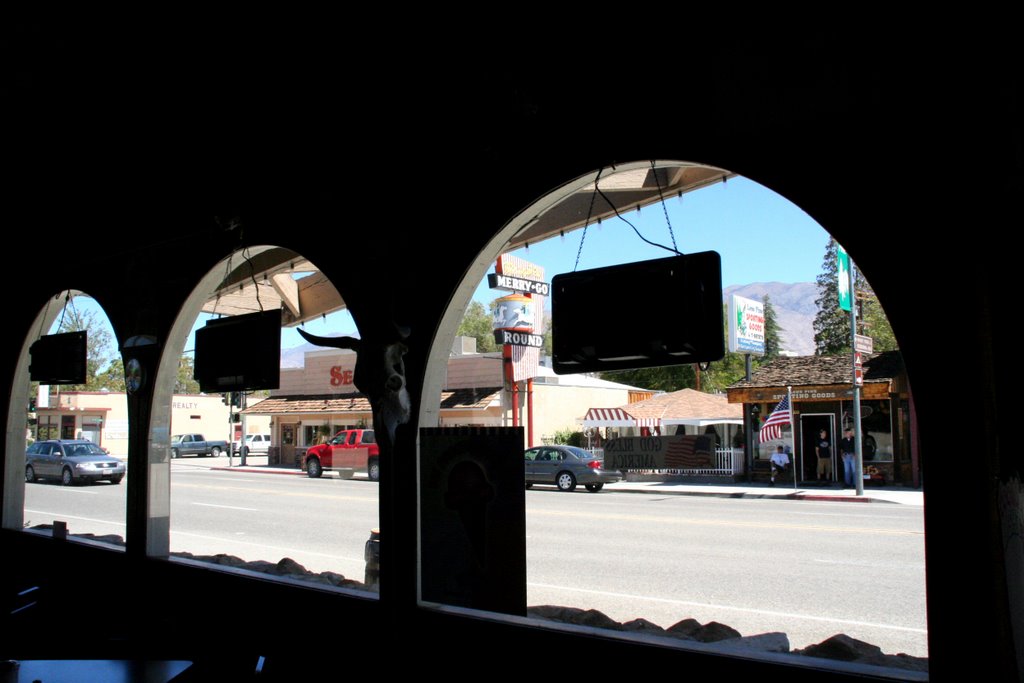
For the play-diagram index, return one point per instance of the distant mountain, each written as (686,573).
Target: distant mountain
(794,306)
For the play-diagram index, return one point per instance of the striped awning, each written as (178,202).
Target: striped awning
(608,417)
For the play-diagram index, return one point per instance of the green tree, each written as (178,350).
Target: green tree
(831,323)
(112,378)
(771,330)
(477,323)
(185,382)
(665,378)
(99,345)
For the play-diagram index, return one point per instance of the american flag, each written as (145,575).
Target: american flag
(772,427)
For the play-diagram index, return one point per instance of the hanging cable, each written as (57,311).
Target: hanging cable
(252,274)
(638,234)
(586,224)
(664,208)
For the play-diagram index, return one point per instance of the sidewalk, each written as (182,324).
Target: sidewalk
(872,494)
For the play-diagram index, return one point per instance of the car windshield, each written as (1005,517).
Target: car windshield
(83,449)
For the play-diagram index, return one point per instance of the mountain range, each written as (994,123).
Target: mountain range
(794,308)
(793,303)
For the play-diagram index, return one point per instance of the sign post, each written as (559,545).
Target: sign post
(848,302)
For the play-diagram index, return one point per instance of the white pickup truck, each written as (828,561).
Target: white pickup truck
(255,444)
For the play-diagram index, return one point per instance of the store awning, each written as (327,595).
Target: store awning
(701,421)
(608,417)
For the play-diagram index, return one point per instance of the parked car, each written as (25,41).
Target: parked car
(255,444)
(350,450)
(71,461)
(566,466)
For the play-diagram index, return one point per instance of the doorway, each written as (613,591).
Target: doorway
(811,426)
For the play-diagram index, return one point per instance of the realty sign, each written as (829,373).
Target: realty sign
(746,325)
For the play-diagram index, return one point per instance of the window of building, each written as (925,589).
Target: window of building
(673,567)
(228,505)
(72,439)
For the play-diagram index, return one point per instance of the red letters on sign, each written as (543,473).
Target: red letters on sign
(339,376)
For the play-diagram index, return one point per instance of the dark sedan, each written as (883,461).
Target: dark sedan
(71,462)
(566,466)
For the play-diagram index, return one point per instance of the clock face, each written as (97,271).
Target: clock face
(133,376)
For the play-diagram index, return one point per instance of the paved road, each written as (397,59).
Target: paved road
(808,568)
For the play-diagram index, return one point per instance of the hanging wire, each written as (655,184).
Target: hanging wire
(638,234)
(664,208)
(586,224)
(67,300)
(252,275)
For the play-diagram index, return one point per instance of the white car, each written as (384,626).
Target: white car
(255,444)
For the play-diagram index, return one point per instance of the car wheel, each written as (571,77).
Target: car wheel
(313,468)
(116,480)
(174,452)
(215,452)
(566,481)
(30,474)
(67,478)
(373,469)
(594,488)
(245,452)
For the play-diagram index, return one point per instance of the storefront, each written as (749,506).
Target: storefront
(686,411)
(823,401)
(102,417)
(320,398)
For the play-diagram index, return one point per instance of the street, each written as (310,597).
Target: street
(809,569)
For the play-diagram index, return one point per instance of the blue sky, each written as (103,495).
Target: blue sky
(761,236)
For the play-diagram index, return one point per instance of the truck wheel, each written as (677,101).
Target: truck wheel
(174,452)
(313,468)
(373,469)
(215,452)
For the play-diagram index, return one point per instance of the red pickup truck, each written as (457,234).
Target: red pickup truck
(350,449)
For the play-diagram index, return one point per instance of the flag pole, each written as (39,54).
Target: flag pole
(792,430)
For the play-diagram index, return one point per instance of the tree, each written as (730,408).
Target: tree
(771,330)
(832,324)
(112,379)
(99,347)
(185,382)
(477,323)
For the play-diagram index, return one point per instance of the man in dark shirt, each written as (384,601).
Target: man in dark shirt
(824,453)
(846,448)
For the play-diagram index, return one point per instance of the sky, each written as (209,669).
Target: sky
(760,235)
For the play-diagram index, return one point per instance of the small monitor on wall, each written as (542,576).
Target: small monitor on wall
(638,315)
(239,353)
(59,358)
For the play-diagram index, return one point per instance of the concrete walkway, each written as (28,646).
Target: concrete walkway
(872,494)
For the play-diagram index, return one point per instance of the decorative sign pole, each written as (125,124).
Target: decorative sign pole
(848,302)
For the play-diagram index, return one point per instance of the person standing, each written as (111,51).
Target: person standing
(779,462)
(823,449)
(847,448)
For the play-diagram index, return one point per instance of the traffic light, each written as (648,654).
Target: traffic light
(236,398)
(226,399)
(32,405)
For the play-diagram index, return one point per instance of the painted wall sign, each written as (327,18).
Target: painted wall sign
(514,312)
(513,266)
(340,377)
(746,325)
(518,338)
(659,452)
(514,284)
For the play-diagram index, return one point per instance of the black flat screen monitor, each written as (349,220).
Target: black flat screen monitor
(59,358)
(638,315)
(239,353)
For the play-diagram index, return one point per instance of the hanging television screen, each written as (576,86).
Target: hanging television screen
(240,353)
(638,315)
(59,358)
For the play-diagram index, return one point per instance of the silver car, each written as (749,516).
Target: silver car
(71,462)
(566,466)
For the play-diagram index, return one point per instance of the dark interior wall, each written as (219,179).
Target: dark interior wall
(126,166)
